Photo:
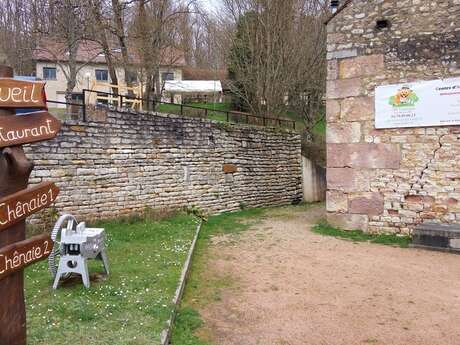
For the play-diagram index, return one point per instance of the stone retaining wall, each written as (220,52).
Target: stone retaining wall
(390,180)
(125,162)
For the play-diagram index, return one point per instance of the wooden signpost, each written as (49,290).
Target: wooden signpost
(28,128)
(22,254)
(16,200)
(20,205)
(22,94)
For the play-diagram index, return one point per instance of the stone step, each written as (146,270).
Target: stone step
(437,236)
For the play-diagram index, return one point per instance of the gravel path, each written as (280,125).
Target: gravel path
(291,286)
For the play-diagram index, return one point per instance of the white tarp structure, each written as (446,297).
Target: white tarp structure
(192,86)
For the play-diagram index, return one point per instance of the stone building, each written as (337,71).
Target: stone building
(389,180)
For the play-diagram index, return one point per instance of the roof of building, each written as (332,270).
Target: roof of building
(193,86)
(193,73)
(91,51)
(340,9)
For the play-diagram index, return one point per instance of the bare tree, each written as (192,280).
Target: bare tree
(119,10)
(17,20)
(155,34)
(277,59)
(101,23)
(201,39)
(65,35)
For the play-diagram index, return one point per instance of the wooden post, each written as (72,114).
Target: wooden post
(15,170)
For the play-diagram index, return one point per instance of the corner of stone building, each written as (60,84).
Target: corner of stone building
(351,157)
(389,180)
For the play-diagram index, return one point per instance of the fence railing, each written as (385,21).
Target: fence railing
(105,99)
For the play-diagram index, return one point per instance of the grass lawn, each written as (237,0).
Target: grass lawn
(202,289)
(324,228)
(131,306)
(168,108)
(217,111)
(213,115)
(319,128)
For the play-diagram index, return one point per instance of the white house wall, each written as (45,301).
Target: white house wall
(55,89)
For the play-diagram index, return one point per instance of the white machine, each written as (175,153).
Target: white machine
(74,245)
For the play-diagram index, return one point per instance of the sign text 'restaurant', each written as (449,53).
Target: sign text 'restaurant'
(23,129)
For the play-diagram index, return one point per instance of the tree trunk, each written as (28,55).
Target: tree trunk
(100,22)
(15,170)
(148,92)
(120,29)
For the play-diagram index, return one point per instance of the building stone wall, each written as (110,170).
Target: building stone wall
(390,180)
(125,162)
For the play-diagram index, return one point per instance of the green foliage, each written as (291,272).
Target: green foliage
(130,306)
(240,57)
(320,127)
(48,216)
(216,111)
(188,320)
(197,212)
(326,229)
(314,147)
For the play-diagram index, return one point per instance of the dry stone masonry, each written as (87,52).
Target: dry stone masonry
(119,163)
(390,180)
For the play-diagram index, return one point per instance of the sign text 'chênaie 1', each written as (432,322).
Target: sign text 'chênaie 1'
(22,204)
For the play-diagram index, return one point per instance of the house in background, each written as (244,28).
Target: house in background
(51,61)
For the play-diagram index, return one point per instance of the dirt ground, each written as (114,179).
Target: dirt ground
(291,286)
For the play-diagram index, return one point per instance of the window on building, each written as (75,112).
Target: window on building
(77,97)
(102,75)
(167,76)
(49,73)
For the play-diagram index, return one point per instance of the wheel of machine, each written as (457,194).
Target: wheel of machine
(65,221)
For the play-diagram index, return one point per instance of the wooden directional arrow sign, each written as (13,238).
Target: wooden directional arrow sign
(21,254)
(28,128)
(21,94)
(20,205)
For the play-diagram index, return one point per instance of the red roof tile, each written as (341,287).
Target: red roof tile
(90,51)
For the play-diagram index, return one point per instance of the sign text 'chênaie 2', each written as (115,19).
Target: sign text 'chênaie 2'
(21,254)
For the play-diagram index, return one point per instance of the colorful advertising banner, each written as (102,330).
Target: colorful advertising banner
(418,104)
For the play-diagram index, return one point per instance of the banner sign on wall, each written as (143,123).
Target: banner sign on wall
(419,104)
